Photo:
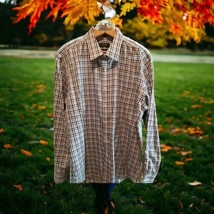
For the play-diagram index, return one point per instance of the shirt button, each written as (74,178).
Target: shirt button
(104,88)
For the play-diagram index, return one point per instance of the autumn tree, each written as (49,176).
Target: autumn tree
(181,20)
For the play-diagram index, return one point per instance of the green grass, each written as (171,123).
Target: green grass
(184,97)
(182,51)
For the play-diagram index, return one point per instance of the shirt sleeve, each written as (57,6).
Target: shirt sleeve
(58,101)
(152,156)
(61,149)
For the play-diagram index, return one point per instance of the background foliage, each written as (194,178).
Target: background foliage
(173,25)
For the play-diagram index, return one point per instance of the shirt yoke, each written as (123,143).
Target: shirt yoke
(142,49)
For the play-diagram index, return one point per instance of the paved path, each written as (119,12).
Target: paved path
(156,57)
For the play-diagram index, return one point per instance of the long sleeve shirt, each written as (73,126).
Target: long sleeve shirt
(101,103)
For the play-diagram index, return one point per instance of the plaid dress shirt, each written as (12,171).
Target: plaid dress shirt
(100,104)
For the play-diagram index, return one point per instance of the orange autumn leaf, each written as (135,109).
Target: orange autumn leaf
(26,153)
(177,130)
(32,9)
(50,115)
(72,10)
(179,163)
(188,159)
(165,148)
(183,19)
(18,187)
(8,146)
(194,131)
(43,142)
(2,131)
(151,10)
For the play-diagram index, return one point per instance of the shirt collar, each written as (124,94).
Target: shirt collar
(95,50)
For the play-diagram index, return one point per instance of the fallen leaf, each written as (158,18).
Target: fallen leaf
(202,201)
(194,131)
(188,159)
(8,146)
(18,187)
(165,148)
(48,159)
(181,205)
(41,86)
(22,117)
(34,105)
(197,106)
(201,99)
(191,205)
(41,107)
(185,93)
(50,114)
(43,142)
(207,122)
(185,152)
(195,183)
(177,130)
(209,102)
(170,120)
(39,91)
(2,131)
(26,153)
(179,163)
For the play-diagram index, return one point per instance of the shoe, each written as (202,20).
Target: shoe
(107,209)
(110,208)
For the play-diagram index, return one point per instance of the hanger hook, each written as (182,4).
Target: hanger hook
(107,8)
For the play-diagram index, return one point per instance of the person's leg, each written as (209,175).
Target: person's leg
(101,200)
(111,203)
(103,197)
(111,186)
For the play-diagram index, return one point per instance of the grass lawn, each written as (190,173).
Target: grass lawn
(185,99)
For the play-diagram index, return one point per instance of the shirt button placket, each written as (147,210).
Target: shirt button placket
(105,120)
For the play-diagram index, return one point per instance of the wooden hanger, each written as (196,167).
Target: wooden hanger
(104,28)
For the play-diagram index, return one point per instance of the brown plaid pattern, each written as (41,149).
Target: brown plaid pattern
(100,103)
